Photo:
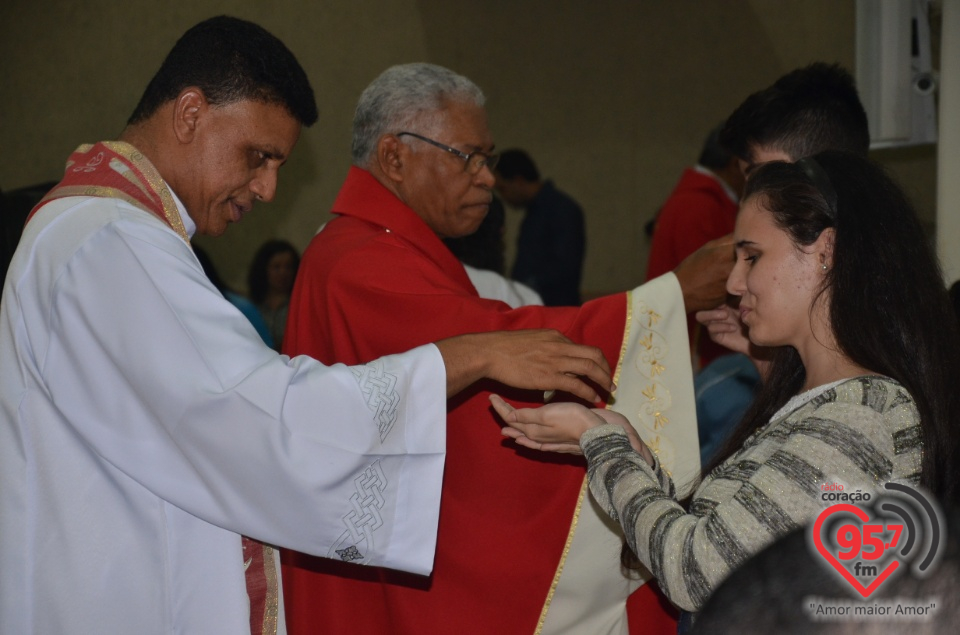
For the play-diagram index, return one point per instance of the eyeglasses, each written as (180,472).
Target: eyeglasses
(473,162)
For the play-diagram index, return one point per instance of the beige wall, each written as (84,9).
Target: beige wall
(611,98)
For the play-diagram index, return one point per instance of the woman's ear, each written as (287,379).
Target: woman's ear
(824,246)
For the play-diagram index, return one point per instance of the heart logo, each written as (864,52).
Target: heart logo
(859,543)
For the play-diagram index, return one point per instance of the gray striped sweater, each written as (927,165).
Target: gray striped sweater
(861,433)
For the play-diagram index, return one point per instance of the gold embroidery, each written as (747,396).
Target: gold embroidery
(272,610)
(159,187)
(652,318)
(659,419)
(649,362)
(646,342)
(170,211)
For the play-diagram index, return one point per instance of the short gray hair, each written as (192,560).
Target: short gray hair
(402,96)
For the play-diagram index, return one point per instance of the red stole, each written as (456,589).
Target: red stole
(114,169)
(260,573)
(377,281)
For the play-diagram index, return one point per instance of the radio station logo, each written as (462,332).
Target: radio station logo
(869,540)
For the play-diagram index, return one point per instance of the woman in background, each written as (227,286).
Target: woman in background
(272,272)
(833,271)
(245,306)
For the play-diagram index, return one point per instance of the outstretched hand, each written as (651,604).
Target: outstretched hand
(558,427)
(554,427)
(539,359)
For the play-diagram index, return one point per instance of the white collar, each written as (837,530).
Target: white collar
(188,225)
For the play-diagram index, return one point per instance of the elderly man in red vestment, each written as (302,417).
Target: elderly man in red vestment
(521,547)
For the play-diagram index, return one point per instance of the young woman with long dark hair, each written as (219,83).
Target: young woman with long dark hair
(835,276)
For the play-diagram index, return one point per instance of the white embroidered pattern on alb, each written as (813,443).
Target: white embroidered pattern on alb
(380,392)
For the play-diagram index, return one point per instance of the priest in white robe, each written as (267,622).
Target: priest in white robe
(144,426)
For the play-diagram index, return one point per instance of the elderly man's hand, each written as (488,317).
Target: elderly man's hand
(703,274)
(540,359)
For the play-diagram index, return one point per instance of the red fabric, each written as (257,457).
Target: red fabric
(377,281)
(91,168)
(698,210)
(255,576)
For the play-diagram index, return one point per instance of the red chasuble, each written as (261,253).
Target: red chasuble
(378,281)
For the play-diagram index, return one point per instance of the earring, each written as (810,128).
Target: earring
(824,266)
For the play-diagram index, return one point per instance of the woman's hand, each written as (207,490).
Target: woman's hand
(554,427)
(557,427)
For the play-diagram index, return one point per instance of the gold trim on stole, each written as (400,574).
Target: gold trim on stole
(654,379)
(563,558)
(153,179)
(585,486)
(272,609)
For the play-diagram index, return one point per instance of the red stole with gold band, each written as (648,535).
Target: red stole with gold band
(114,169)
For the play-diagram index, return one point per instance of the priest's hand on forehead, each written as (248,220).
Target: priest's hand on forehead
(703,274)
(540,359)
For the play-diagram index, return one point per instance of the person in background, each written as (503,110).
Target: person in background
(270,280)
(15,205)
(482,254)
(244,305)
(553,240)
(806,111)
(702,207)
